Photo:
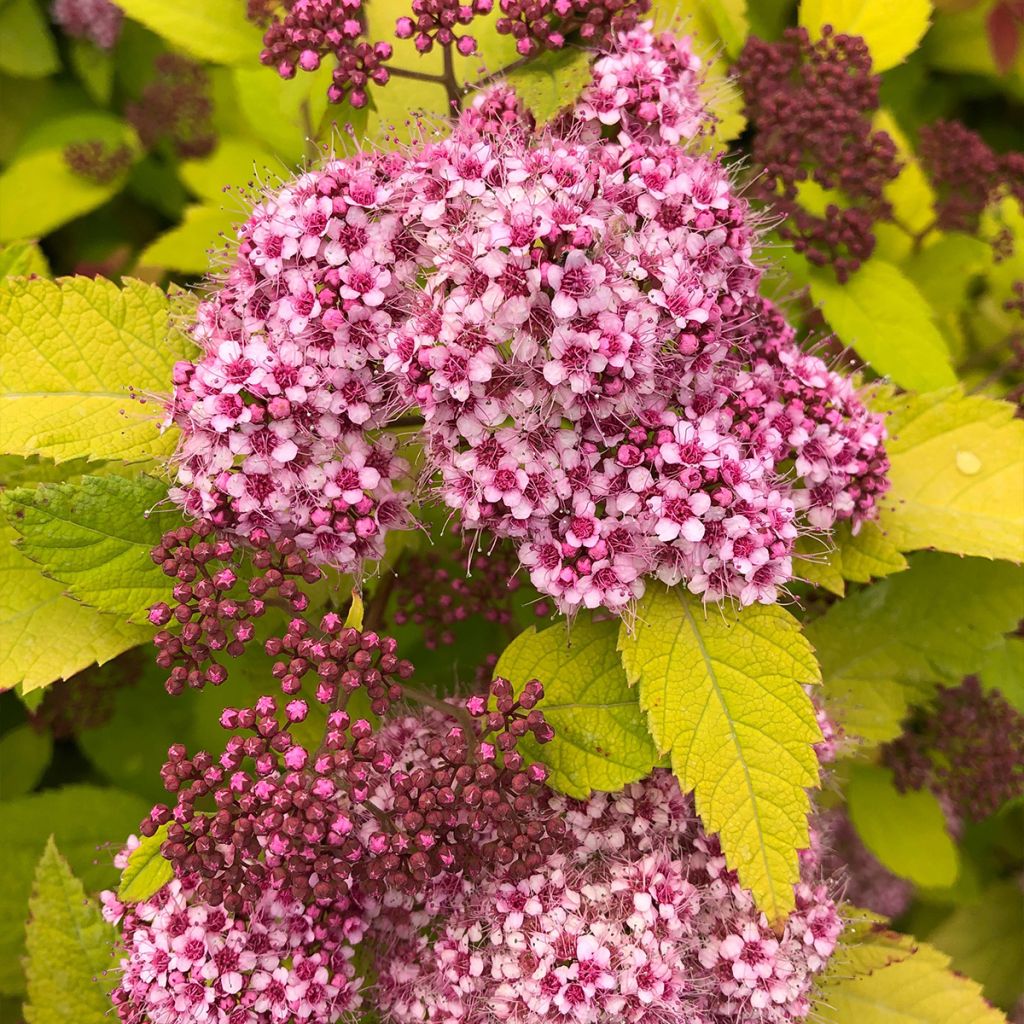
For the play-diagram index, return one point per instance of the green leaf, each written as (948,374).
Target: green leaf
(929,269)
(20,259)
(45,636)
(214,30)
(915,986)
(905,831)
(70,949)
(147,871)
(95,537)
(885,319)
(859,557)
(957,462)
(51,194)
(867,554)
(1003,670)
(94,67)
(986,942)
(889,645)
(601,741)
(189,247)
(24,756)
(76,350)
(235,164)
(891,28)
(552,82)
(27,49)
(724,695)
(81,819)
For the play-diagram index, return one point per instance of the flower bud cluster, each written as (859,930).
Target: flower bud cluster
(538,25)
(810,105)
(438,21)
(186,961)
(301,33)
(438,591)
(375,808)
(96,161)
(967,747)
(211,611)
(636,919)
(98,21)
(175,108)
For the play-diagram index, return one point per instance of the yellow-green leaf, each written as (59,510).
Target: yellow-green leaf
(190,246)
(881,315)
(859,557)
(891,28)
(75,351)
(957,465)
(27,49)
(905,831)
(552,82)
(147,870)
(215,30)
(724,695)
(70,949)
(915,987)
(45,636)
(20,259)
(887,646)
(601,741)
(95,536)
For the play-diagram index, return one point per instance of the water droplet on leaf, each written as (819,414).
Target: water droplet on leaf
(968,463)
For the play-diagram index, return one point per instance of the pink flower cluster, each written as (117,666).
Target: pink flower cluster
(186,962)
(98,21)
(577,319)
(641,921)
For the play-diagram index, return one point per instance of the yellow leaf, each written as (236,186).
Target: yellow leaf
(957,466)
(891,28)
(75,352)
(724,695)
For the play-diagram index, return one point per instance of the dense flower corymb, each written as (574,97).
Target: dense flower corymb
(577,319)
(639,921)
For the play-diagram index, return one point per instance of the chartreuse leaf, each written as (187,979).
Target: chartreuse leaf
(724,695)
(985,939)
(94,67)
(215,30)
(957,462)
(147,869)
(859,557)
(20,259)
(891,28)
(89,823)
(189,245)
(601,741)
(905,831)
(75,350)
(70,949)
(44,635)
(235,164)
(881,315)
(1003,670)
(929,269)
(27,49)
(95,537)
(552,82)
(889,645)
(877,977)
(24,754)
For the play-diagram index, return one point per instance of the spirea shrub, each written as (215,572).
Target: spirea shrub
(556,558)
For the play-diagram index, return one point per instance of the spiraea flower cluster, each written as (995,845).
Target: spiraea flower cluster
(301,33)
(97,161)
(967,747)
(636,919)
(538,25)
(810,105)
(98,21)
(186,961)
(967,173)
(576,317)
(441,22)
(175,108)
(358,808)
